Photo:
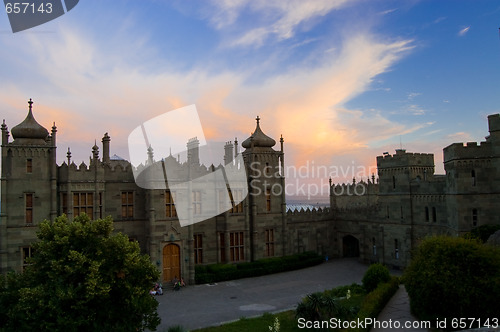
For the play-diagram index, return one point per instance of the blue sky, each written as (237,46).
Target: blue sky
(342,81)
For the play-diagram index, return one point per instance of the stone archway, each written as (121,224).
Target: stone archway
(171,262)
(350,246)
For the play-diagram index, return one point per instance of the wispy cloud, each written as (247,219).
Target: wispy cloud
(277,19)
(412,95)
(459,136)
(388,11)
(109,96)
(463,31)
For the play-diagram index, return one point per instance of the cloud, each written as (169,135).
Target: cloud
(463,31)
(388,11)
(412,95)
(459,136)
(277,19)
(88,92)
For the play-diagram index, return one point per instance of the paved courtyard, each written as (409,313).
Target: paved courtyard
(206,305)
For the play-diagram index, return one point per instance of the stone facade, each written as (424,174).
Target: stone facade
(409,202)
(378,220)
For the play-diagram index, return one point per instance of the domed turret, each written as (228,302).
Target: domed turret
(258,138)
(29,128)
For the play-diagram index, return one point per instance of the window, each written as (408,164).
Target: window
(64,203)
(434,216)
(26,252)
(127,204)
(268,169)
(196,201)
(401,211)
(387,211)
(83,203)
(427,213)
(374,246)
(393,182)
(396,249)
(474,217)
(222,247)
(268,199)
(170,211)
(236,246)
(29,208)
(236,196)
(473,176)
(29,165)
(198,249)
(269,242)
(100,205)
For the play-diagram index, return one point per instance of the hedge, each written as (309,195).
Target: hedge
(376,300)
(221,272)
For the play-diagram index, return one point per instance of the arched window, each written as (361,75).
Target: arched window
(393,182)
(434,216)
(427,214)
(396,249)
(374,247)
(473,177)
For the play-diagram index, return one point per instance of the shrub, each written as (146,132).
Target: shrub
(482,232)
(222,272)
(376,300)
(376,274)
(453,277)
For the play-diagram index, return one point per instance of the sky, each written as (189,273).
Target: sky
(342,80)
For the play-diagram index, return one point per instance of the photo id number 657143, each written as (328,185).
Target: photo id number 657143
(27,8)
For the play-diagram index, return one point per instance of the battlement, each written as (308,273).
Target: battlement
(405,159)
(308,215)
(469,150)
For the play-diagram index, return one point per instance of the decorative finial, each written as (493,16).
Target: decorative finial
(258,119)
(69,156)
(30,103)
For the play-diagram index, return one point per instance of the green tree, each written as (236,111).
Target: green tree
(81,278)
(453,277)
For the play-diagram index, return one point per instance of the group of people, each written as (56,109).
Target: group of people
(178,283)
(158,289)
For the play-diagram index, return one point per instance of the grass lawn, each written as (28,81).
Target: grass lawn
(287,323)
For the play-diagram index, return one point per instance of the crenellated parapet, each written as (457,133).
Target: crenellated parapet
(403,159)
(469,150)
(308,215)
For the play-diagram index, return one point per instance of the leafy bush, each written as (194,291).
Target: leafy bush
(482,232)
(453,277)
(376,274)
(221,272)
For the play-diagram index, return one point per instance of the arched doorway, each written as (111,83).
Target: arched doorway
(171,262)
(350,246)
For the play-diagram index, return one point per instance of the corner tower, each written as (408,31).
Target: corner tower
(266,196)
(29,187)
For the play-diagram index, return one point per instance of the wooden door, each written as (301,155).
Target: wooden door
(171,262)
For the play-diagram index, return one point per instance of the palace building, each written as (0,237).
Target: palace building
(406,203)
